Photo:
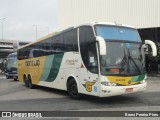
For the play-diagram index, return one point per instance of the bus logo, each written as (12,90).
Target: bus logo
(88,86)
(129,82)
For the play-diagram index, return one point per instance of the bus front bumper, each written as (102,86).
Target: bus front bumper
(108,91)
(11,76)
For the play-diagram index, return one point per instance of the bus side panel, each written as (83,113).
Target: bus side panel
(37,69)
(87,82)
(51,67)
(52,73)
(22,69)
(71,67)
(64,66)
(31,67)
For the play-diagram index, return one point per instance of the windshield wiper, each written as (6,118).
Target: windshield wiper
(130,57)
(125,61)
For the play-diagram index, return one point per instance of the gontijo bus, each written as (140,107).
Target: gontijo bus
(99,59)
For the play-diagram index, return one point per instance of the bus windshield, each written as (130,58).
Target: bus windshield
(117,33)
(122,58)
(11,62)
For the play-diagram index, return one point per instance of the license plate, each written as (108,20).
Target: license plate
(129,90)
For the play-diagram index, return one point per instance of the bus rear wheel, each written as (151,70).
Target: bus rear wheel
(73,90)
(30,85)
(7,77)
(25,81)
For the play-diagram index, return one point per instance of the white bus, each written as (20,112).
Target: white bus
(99,59)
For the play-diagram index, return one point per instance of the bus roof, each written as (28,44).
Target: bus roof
(105,23)
(40,39)
(70,28)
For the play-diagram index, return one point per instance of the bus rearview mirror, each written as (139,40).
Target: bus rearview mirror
(102,45)
(152,45)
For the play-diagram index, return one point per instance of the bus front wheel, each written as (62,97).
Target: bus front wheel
(15,79)
(73,90)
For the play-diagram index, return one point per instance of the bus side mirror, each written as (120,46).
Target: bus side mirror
(102,45)
(150,48)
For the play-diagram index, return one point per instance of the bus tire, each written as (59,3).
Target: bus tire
(25,81)
(73,90)
(7,77)
(15,79)
(30,85)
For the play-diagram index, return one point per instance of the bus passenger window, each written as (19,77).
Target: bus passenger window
(70,40)
(57,44)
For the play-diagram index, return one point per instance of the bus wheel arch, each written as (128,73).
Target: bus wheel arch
(72,88)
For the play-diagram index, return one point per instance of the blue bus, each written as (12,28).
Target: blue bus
(11,66)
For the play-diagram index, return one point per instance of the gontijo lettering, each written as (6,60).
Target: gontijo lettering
(32,63)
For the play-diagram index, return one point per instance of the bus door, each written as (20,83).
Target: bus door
(88,71)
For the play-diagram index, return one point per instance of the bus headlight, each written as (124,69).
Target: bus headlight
(108,83)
